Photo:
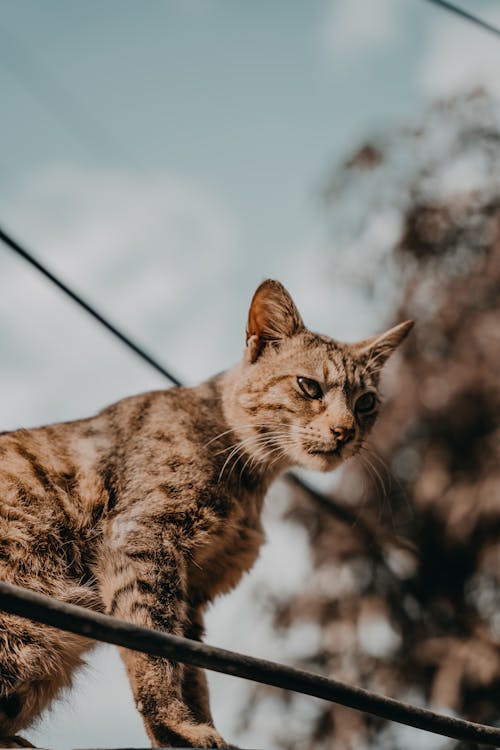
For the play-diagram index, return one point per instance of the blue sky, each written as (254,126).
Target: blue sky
(252,100)
(165,157)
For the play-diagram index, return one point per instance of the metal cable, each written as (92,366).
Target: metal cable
(90,624)
(135,347)
(466,16)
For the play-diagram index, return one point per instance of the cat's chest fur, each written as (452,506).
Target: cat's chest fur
(152,508)
(168,468)
(217,567)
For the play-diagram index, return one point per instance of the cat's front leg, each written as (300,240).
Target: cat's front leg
(148,587)
(194,685)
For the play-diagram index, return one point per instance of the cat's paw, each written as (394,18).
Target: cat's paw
(185,734)
(207,736)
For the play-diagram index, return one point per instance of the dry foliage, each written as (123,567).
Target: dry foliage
(405,585)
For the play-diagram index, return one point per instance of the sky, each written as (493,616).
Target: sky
(165,157)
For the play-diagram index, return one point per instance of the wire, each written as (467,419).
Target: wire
(135,347)
(85,622)
(466,16)
(101,627)
(321,500)
(326,503)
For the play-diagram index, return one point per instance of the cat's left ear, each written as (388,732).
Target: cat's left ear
(376,350)
(272,317)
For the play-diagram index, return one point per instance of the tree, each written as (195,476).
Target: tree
(405,586)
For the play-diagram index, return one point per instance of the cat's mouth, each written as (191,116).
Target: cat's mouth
(336,451)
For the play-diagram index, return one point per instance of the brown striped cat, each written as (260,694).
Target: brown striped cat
(152,508)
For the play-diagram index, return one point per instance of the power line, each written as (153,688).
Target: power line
(101,627)
(321,500)
(466,16)
(75,619)
(71,618)
(79,300)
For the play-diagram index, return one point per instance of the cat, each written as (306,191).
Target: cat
(151,509)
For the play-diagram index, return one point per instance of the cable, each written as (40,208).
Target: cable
(293,479)
(466,16)
(101,627)
(85,622)
(142,353)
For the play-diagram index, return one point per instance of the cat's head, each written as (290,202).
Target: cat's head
(301,398)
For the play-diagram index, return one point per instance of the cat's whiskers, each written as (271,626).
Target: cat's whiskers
(258,441)
(287,442)
(384,495)
(226,432)
(235,450)
(392,478)
(254,438)
(371,479)
(282,455)
(370,482)
(368,459)
(253,460)
(254,425)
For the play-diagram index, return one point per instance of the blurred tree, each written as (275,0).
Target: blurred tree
(406,563)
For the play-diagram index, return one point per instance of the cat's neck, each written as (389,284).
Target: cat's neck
(242,446)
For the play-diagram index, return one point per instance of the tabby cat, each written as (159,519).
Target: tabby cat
(152,508)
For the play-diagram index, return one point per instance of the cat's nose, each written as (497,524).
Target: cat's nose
(343,434)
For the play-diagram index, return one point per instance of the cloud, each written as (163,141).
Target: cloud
(351,27)
(149,251)
(162,257)
(460,56)
(157,254)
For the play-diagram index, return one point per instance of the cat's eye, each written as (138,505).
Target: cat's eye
(311,388)
(366,403)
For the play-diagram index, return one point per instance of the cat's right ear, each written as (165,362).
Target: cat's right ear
(271,318)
